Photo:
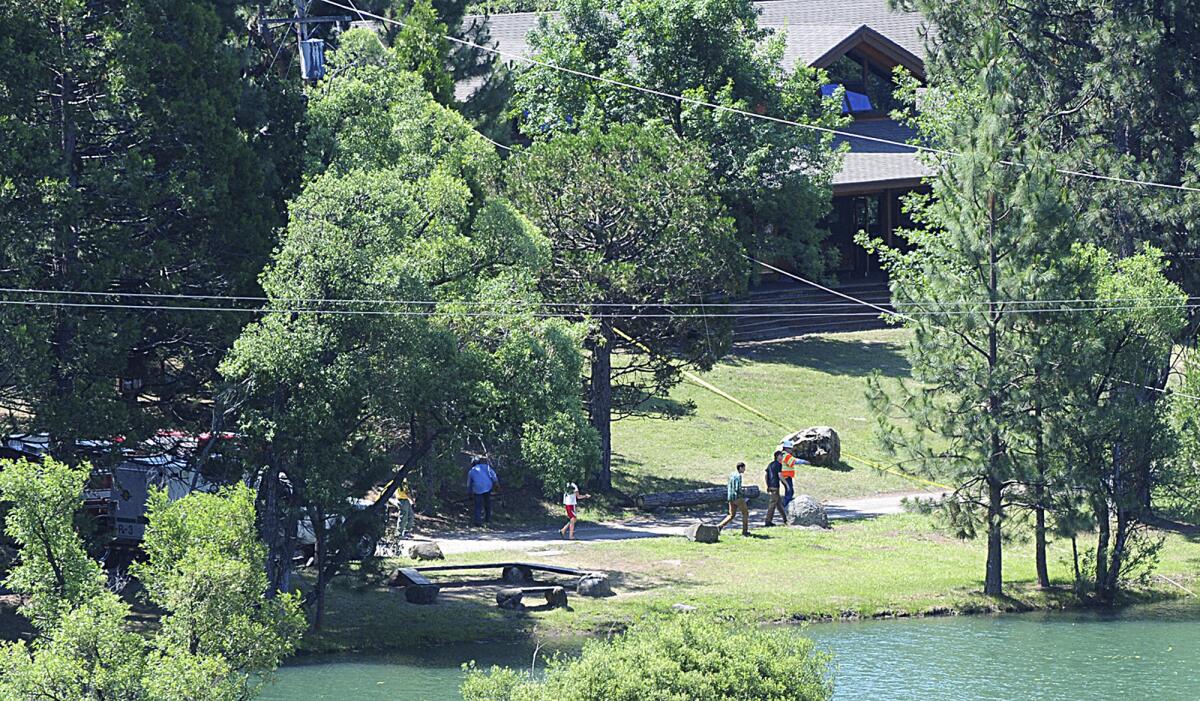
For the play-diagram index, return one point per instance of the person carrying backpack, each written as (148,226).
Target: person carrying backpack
(773,481)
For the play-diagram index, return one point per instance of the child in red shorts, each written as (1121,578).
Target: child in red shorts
(571,499)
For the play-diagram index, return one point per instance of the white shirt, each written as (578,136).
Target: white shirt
(571,496)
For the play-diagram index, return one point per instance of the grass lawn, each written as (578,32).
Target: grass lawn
(815,380)
(894,565)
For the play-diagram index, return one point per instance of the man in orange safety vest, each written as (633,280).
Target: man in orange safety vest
(788,463)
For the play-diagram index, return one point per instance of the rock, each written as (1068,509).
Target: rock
(702,533)
(683,608)
(397,579)
(509,599)
(426,550)
(421,593)
(594,584)
(556,598)
(515,574)
(818,445)
(806,511)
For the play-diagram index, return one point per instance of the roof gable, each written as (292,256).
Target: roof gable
(878,48)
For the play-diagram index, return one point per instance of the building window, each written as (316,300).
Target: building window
(869,87)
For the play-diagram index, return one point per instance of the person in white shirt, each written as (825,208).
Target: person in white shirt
(571,499)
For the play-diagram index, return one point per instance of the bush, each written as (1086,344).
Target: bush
(684,658)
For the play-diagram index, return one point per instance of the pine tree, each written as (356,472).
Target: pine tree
(992,234)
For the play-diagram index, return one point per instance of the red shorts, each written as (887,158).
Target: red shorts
(570,510)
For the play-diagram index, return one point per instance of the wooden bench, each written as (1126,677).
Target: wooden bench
(511,572)
(556,597)
(417,589)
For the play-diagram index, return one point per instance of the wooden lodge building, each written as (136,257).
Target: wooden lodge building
(858,43)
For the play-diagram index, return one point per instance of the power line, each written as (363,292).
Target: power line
(755,115)
(1098,303)
(910,318)
(449,310)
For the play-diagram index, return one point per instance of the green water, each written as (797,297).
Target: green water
(1148,653)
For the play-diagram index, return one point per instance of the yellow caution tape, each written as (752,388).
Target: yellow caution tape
(725,395)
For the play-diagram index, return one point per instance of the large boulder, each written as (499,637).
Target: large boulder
(806,511)
(818,445)
(702,533)
(425,550)
(594,584)
(516,574)
(510,599)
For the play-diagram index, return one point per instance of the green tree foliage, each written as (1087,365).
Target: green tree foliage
(219,638)
(632,224)
(498,7)
(132,159)
(402,204)
(774,179)
(684,658)
(54,569)
(1178,494)
(1112,89)
(1088,394)
(1107,429)
(422,46)
(204,567)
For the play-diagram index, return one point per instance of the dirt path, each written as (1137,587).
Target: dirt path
(651,526)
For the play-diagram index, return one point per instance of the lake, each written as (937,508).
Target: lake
(1139,653)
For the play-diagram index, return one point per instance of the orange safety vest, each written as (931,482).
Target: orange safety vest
(788,462)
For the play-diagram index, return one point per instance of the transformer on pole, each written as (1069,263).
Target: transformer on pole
(311,51)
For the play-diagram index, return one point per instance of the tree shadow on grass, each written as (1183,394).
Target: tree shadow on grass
(629,481)
(850,357)
(661,407)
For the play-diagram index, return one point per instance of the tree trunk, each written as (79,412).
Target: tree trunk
(1108,591)
(1102,540)
(1075,563)
(1043,573)
(600,401)
(1039,493)
(320,549)
(277,528)
(993,583)
(66,248)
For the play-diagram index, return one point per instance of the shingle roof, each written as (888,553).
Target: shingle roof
(802,18)
(873,162)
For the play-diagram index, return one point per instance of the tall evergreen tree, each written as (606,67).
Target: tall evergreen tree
(131,161)
(992,234)
(1112,89)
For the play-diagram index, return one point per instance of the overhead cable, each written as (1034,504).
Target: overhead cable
(1096,303)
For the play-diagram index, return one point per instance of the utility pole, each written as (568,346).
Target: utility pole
(311,51)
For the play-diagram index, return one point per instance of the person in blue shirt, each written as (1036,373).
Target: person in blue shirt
(481,480)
